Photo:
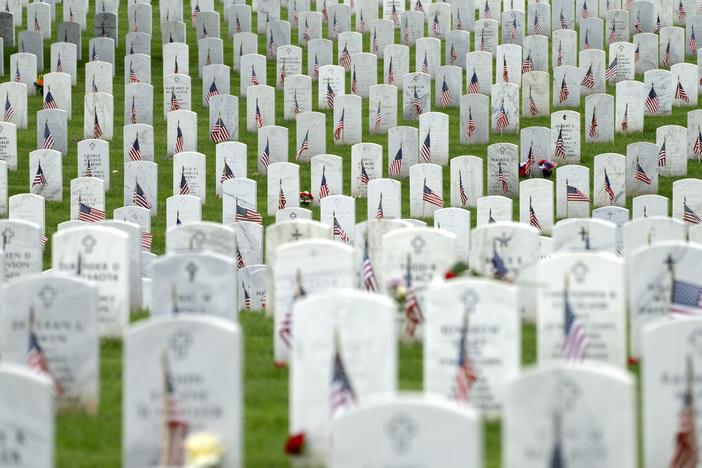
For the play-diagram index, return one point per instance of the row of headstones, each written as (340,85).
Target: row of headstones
(555,398)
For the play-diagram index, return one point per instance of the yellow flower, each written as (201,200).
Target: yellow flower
(203,449)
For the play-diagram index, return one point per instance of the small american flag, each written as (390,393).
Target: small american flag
(139,197)
(608,187)
(429,196)
(282,76)
(175,427)
(339,232)
(89,214)
(653,103)
(394,14)
(502,179)
(396,164)
(208,58)
(39,178)
(693,42)
(375,44)
(662,156)
(637,24)
(379,213)
(135,150)
(689,215)
(259,117)
(306,33)
(697,148)
(176,68)
(195,13)
(48,142)
(418,6)
(574,194)
(354,82)
(513,32)
(37,26)
(435,26)
(533,110)
(282,201)
(245,214)
(36,358)
(425,64)
(530,160)
(367,273)
(133,78)
(219,132)
(266,154)
(575,340)
(361,23)
(641,175)
(462,190)
(335,26)
(502,120)
(471,126)
(559,56)
(612,69)
(296,105)
(528,64)
(133,112)
(341,393)
(487,14)
(390,77)
(227,173)
(459,22)
(560,150)
(179,139)
(474,84)
(687,452)
(254,78)
(184,185)
(425,150)
(637,53)
(453,56)
(563,95)
(498,264)
(49,101)
(586,42)
(9,110)
(247,298)
(378,120)
(685,298)
(18,76)
(465,369)
(405,33)
(365,178)
(416,102)
(330,96)
(271,45)
(505,71)
(413,312)
(304,146)
(682,14)
(213,91)
(345,57)
(536,29)
(680,93)
(564,23)
(625,119)
(666,56)
(533,220)
(339,129)
(589,79)
(446,97)
(146,240)
(175,105)
(285,330)
(584,13)
(94,57)
(88,169)
(70,13)
(323,186)
(97,129)
(483,44)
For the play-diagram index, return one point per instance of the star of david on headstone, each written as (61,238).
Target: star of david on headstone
(567,393)
(47,294)
(198,239)
(579,271)
(293,215)
(418,244)
(179,343)
(401,429)
(92,146)
(7,236)
(694,339)
(469,299)
(88,243)
(191,269)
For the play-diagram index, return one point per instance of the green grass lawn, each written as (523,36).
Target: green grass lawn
(85,441)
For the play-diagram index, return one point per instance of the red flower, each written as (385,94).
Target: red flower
(449,274)
(295,444)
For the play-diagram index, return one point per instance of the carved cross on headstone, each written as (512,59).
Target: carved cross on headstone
(418,244)
(579,271)
(469,299)
(293,215)
(191,269)
(401,429)
(92,146)
(296,235)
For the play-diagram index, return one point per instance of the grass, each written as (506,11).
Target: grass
(85,441)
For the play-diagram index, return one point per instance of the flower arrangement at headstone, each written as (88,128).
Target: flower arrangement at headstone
(39,84)
(203,450)
(306,198)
